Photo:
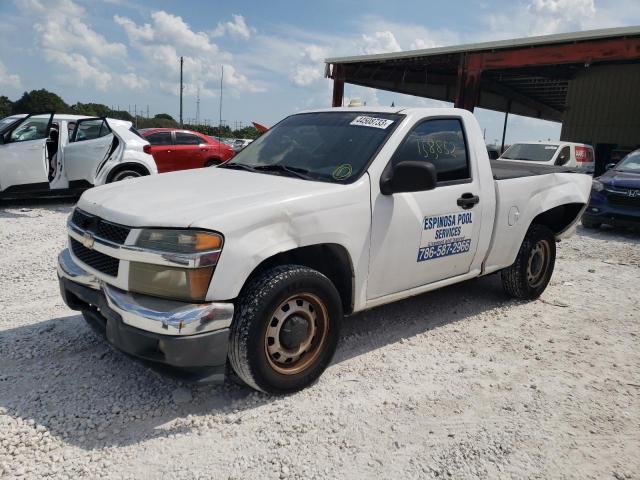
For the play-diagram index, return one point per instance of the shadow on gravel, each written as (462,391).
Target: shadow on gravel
(607,231)
(59,374)
(21,208)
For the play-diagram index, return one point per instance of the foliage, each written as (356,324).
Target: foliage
(166,116)
(5,106)
(40,101)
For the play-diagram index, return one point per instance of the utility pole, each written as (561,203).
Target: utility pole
(198,106)
(181,88)
(220,117)
(147,110)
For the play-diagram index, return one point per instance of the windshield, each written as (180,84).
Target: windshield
(6,121)
(630,163)
(534,152)
(326,146)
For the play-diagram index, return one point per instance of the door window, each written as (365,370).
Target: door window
(90,130)
(440,142)
(160,138)
(188,139)
(33,128)
(564,156)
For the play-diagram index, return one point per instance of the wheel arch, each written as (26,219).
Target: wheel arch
(330,259)
(560,218)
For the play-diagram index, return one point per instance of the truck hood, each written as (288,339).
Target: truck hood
(621,179)
(205,198)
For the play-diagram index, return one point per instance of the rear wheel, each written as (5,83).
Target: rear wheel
(285,330)
(212,163)
(530,273)
(125,175)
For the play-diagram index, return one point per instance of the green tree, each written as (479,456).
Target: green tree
(5,106)
(40,101)
(166,116)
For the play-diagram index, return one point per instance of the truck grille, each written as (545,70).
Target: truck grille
(99,261)
(100,228)
(624,200)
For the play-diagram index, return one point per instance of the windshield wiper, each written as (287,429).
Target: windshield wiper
(295,171)
(239,166)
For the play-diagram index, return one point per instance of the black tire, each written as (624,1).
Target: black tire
(529,275)
(212,163)
(256,311)
(586,223)
(124,175)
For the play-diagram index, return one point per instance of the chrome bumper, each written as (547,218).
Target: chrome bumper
(157,315)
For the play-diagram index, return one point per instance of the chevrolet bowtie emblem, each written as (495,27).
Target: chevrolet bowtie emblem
(87,240)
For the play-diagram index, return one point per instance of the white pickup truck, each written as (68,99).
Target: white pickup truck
(250,267)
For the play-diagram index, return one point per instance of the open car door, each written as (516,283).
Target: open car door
(88,147)
(23,154)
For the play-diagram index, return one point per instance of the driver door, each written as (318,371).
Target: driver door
(419,238)
(23,154)
(89,145)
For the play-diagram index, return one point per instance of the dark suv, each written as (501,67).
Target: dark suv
(615,196)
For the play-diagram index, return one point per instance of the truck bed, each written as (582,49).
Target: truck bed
(503,170)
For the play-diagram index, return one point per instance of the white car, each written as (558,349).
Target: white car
(564,154)
(240,143)
(56,154)
(251,265)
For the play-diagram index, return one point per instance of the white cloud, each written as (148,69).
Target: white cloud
(544,17)
(379,42)
(11,80)
(133,31)
(79,68)
(60,25)
(237,28)
(133,81)
(162,42)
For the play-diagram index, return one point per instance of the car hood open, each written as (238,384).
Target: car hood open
(205,198)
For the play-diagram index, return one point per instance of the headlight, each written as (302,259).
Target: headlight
(179,241)
(188,284)
(200,250)
(597,185)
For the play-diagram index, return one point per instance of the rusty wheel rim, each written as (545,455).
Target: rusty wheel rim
(296,333)
(538,263)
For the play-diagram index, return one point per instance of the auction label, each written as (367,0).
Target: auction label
(366,121)
(446,234)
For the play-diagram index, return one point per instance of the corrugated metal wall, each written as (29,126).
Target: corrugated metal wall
(604,106)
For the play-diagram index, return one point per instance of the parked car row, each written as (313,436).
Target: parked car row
(60,154)
(175,149)
(51,153)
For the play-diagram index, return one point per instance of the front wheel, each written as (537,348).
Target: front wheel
(285,330)
(529,275)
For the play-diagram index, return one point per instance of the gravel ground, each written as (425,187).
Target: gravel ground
(458,383)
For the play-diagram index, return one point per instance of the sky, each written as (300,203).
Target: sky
(125,53)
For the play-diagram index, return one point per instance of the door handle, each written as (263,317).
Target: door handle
(468,200)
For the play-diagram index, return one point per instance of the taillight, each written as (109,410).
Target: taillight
(147,149)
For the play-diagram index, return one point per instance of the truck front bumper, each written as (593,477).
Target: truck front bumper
(190,338)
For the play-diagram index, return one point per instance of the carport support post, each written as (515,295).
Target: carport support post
(504,128)
(469,73)
(338,85)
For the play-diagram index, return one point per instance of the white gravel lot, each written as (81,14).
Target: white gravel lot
(458,383)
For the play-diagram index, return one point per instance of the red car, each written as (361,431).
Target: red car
(174,149)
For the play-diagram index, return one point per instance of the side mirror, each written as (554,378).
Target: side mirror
(408,176)
(610,166)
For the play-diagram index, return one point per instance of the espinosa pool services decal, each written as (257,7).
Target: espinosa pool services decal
(444,235)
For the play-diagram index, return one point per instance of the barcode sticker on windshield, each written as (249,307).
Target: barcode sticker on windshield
(365,121)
